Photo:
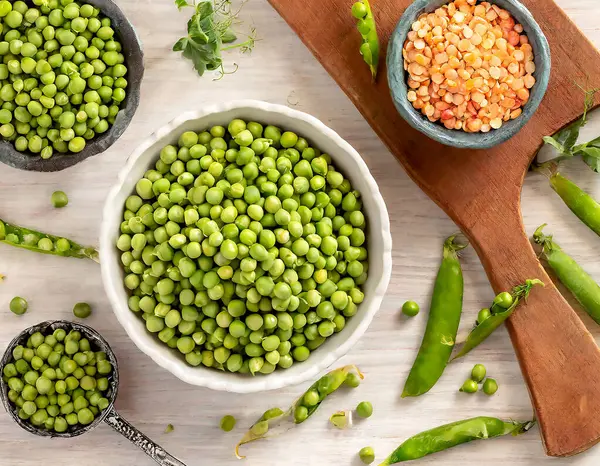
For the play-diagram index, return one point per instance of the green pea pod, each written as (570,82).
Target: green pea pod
(275,421)
(580,203)
(30,239)
(454,434)
(369,48)
(442,325)
(484,329)
(570,273)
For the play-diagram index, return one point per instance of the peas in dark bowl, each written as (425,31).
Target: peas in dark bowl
(69,81)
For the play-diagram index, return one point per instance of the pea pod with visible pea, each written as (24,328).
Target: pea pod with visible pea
(502,308)
(43,243)
(276,421)
(442,325)
(451,435)
(570,273)
(369,48)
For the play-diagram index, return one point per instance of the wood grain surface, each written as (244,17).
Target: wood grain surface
(481,190)
(280,70)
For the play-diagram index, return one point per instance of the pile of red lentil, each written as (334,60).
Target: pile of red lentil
(469,66)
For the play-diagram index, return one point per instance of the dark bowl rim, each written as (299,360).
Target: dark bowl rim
(134,59)
(435,131)
(89,332)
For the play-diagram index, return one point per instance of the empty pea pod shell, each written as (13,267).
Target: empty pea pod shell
(369,48)
(43,243)
(484,329)
(451,435)
(275,421)
(341,419)
(570,273)
(442,324)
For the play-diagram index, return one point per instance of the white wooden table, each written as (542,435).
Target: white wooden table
(280,70)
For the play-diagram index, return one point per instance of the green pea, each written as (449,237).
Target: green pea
(228,423)
(18,306)
(59,199)
(409,308)
(490,386)
(364,409)
(366,455)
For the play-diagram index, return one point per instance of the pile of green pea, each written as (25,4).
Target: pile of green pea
(62,77)
(244,248)
(57,380)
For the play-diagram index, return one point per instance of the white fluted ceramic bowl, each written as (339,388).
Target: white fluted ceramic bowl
(345,158)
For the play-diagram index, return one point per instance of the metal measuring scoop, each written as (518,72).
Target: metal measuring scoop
(109,415)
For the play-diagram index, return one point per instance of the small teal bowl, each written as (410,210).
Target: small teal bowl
(397,78)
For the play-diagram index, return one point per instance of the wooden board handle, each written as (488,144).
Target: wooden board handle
(562,367)
(480,191)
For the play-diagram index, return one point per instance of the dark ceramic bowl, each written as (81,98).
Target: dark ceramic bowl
(97,343)
(134,60)
(109,416)
(397,78)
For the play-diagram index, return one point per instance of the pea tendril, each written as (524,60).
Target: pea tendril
(209,28)
(565,141)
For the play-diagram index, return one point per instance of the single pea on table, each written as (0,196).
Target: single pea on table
(228,423)
(367,455)
(59,199)
(82,310)
(410,308)
(18,305)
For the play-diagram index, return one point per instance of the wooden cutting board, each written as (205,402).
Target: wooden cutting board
(480,191)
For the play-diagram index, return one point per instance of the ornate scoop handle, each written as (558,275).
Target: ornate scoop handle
(152,449)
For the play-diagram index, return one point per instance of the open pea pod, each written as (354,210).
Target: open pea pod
(451,435)
(275,421)
(484,329)
(369,48)
(43,243)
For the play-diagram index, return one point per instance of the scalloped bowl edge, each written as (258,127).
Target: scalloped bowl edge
(345,157)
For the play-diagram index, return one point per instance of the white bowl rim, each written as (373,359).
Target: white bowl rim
(203,378)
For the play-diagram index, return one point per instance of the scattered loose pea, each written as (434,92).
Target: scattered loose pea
(490,386)
(82,310)
(478,373)
(410,308)
(169,429)
(367,455)
(59,199)
(470,386)
(18,305)
(364,409)
(228,423)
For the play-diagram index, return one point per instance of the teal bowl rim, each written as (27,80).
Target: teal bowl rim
(397,77)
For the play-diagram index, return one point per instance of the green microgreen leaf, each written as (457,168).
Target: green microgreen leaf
(182,4)
(208,29)
(591,156)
